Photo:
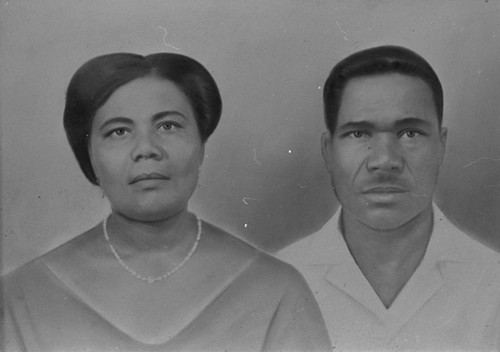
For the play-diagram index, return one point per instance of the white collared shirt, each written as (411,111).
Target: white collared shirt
(451,302)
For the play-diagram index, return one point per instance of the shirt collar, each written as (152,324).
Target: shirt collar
(447,243)
(326,254)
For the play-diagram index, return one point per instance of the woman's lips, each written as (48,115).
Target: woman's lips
(149,176)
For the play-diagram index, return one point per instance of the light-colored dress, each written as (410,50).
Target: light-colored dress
(264,304)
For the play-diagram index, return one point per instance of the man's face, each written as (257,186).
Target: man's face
(386,150)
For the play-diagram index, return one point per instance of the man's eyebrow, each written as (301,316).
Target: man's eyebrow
(358,125)
(126,120)
(412,121)
(367,125)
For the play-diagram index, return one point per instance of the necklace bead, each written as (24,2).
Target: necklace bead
(151,279)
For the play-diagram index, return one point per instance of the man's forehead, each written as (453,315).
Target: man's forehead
(389,98)
(363,83)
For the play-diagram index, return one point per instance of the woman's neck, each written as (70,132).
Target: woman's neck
(135,236)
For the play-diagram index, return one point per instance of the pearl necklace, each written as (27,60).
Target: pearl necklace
(152,279)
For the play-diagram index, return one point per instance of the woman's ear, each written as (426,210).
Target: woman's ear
(202,153)
(89,150)
(443,135)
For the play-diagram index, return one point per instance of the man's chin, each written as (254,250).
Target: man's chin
(388,219)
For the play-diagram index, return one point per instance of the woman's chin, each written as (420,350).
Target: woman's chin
(152,213)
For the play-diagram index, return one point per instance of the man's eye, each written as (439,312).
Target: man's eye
(357,134)
(411,134)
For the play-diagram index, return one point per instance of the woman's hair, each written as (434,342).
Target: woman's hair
(374,61)
(95,81)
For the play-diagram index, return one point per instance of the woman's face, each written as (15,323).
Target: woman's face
(146,150)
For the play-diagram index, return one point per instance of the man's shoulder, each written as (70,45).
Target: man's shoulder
(464,257)
(312,247)
(295,253)
(457,242)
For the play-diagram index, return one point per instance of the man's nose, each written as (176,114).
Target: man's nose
(385,154)
(147,147)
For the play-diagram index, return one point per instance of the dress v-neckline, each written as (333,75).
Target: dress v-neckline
(64,276)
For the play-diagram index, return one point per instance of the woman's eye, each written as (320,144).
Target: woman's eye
(118,132)
(167,126)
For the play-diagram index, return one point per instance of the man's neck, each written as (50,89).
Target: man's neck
(388,258)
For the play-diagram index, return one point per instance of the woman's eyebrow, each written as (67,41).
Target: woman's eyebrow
(162,114)
(113,120)
(128,121)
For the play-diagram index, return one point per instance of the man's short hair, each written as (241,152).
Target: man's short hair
(375,61)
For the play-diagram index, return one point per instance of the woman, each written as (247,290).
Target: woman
(152,276)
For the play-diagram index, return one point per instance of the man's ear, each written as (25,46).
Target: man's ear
(443,135)
(326,149)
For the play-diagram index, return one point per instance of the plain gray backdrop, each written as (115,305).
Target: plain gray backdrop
(263,177)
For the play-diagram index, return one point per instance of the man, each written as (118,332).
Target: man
(389,271)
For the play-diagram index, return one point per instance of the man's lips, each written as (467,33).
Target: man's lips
(384,189)
(149,176)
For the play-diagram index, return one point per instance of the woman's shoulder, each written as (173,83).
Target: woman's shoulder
(36,271)
(29,274)
(87,243)
(224,243)
(230,248)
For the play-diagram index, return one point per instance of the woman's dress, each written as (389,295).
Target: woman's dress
(263,305)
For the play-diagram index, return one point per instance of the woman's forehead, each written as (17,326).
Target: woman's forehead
(144,97)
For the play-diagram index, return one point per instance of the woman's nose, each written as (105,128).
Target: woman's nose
(147,147)
(385,155)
